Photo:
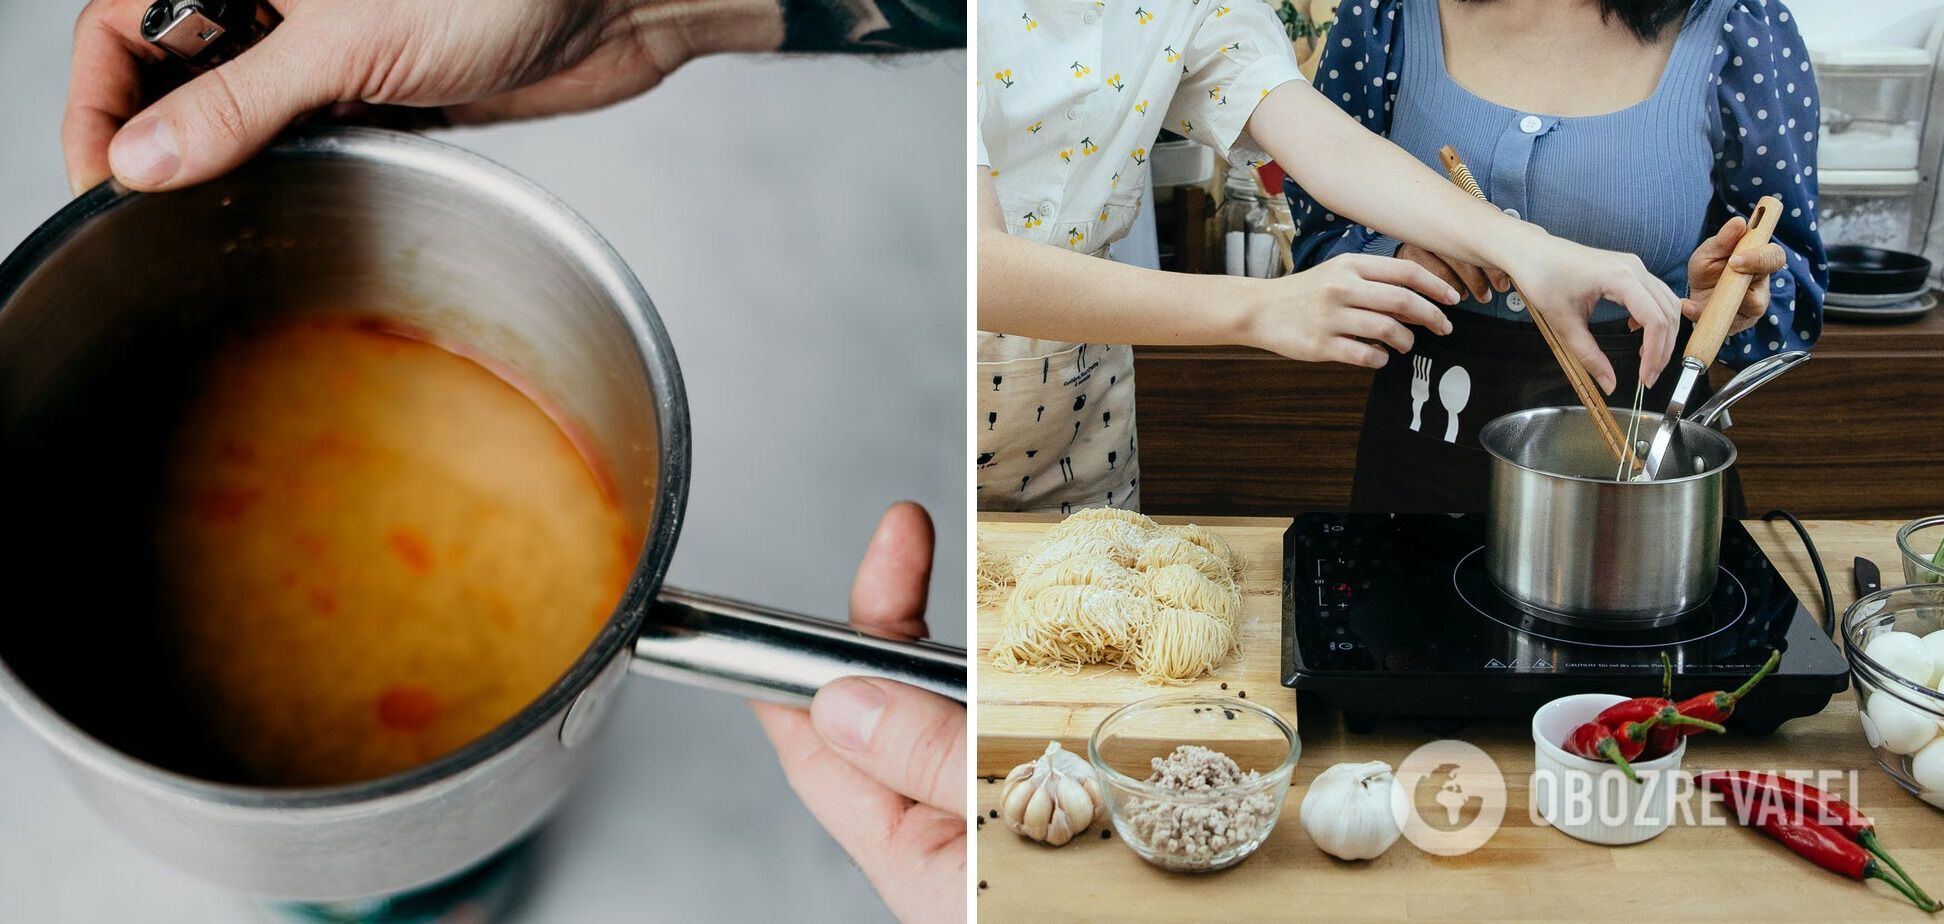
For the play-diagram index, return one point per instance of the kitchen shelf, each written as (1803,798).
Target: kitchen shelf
(1872,62)
(1882,134)
(1875,183)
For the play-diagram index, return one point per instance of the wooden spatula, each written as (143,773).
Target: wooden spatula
(1711,330)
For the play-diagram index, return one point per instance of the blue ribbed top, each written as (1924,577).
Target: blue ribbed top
(1637,180)
(1733,118)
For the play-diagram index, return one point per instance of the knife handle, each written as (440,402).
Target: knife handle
(1719,315)
(1868,579)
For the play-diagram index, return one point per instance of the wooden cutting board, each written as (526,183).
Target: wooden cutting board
(1020,713)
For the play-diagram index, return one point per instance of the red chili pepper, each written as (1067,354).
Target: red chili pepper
(1632,736)
(1594,741)
(1662,741)
(1821,844)
(1719,705)
(1597,741)
(1664,735)
(1746,787)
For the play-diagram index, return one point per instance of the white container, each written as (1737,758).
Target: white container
(1181,163)
(1591,799)
(1873,101)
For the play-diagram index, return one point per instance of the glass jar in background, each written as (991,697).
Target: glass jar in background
(1238,198)
(1249,247)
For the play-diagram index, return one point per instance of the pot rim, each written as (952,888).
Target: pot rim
(1688,429)
(451,163)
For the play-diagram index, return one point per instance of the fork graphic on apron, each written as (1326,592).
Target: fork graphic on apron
(1420,388)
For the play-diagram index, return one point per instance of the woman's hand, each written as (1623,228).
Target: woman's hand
(1339,310)
(1476,281)
(1717,254)
(476,60)
(1565,281)
(880,764)
(1364,177)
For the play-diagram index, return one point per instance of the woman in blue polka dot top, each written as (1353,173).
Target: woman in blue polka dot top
(1643,126)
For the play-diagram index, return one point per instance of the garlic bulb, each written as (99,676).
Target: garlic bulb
(1053,798)
(1347,811)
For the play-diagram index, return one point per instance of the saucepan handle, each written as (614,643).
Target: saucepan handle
(762,653)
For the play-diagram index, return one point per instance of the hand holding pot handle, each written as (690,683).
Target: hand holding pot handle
(1719,315)
(882,765)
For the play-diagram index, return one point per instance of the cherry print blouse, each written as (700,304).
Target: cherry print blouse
(1072,95)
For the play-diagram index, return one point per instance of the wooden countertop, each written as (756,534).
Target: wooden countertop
(1525,872)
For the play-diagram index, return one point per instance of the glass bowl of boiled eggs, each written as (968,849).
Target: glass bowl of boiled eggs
(1894,640)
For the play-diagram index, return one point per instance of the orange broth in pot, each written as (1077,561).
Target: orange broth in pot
(370,551)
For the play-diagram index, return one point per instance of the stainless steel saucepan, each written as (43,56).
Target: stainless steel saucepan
(449,243)
(1567,541)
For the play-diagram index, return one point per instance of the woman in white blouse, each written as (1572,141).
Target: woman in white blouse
(1071,97)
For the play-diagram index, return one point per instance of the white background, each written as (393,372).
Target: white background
(801,226)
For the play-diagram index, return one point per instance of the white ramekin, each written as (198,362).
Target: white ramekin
(1591,799)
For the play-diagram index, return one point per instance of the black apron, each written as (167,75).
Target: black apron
(1417,456)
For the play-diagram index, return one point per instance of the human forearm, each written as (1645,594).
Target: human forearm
(1334,313)
(1034,290)
(1030,289)
(703,27)
(1359,175)
(1362,176)
(871,26)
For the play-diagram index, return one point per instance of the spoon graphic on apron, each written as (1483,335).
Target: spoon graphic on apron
(1454,389)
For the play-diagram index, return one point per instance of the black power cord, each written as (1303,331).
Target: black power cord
(1822,576)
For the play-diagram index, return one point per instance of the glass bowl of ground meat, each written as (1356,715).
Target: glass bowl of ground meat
(1194,781)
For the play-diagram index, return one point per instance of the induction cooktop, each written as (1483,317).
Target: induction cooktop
(1395,614)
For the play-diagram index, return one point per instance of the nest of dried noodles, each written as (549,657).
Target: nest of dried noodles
(1114,587)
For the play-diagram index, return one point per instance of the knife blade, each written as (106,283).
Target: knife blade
(1691,372)
(1711,330)
(1868,580)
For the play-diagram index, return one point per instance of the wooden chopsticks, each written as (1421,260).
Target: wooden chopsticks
(1589,393)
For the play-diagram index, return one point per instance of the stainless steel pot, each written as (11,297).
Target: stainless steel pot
(449,243)
(1568,542)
